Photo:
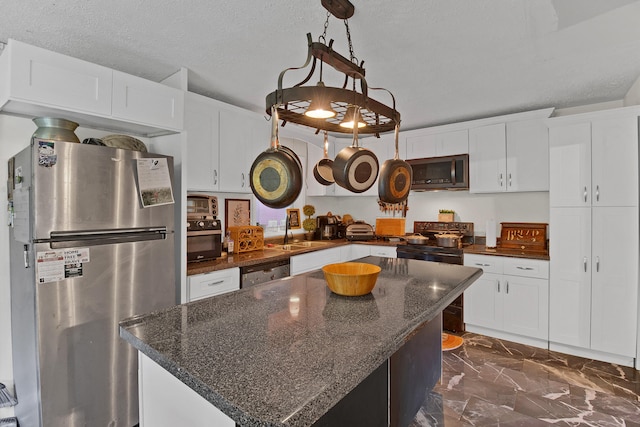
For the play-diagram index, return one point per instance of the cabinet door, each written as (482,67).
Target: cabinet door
(360,251)
(614,150)
(570,165)
(142,101)
(527,156)
(384,251)
(314,260)
(483,302)
(438,144)
(44,77)
(614,272)
(487,159)
(570,276)
(526,306)
(201,125)
(235,164)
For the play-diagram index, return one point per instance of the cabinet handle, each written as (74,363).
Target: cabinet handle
(25,255)
(215,177)
(584,260)
(242,185)
(482,265)
(585,194)
(509,179)
(498,282)
(597,264)
(500,179)
(215,283)
(524,268)
(597,193)
(506,287)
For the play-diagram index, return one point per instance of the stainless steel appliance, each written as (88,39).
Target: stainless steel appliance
(261,273)
(204,230)
(440,173)
(326,227)
(452,319)
(84,255)
(359,230)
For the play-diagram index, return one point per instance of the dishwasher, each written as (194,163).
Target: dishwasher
(263,272)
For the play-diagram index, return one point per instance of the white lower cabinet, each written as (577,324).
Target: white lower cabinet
(314,260)
(214,283)
(383,251)
(166,401)
(510,300)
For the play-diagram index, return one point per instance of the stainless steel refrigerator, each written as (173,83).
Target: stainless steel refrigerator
(86,252)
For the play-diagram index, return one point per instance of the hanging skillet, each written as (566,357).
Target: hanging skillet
(395,177)
(323,171)
(276,174)
(355,168)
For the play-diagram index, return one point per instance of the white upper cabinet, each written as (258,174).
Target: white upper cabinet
(570,165)
(527,156)
(614,162)
(43,77)
(143,101)
(594,163)
(38,82)
(201,123)
(437,144)
(222,143)
(487,159)
(511,156)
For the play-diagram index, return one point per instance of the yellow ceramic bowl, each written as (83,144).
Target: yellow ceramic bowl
(351,278)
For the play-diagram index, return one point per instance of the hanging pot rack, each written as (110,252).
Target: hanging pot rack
(293,102)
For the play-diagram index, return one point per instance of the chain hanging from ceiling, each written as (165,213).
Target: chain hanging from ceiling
(333,109)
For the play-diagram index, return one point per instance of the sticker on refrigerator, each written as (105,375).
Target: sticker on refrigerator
(60,264)
(154,182)
(47,156)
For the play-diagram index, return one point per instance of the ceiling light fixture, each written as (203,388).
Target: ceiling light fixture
(333,108)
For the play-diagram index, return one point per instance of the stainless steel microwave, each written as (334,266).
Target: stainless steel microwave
(440,173)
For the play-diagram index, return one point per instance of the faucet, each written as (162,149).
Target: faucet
(286,231)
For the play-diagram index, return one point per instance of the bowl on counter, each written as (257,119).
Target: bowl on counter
(351,278)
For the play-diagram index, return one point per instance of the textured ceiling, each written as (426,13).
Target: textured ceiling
(445,60)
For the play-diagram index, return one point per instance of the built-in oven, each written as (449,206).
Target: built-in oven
(204,230)
(452,316)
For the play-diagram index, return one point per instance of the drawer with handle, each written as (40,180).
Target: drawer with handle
(488,263)
(526,267)
(214,283)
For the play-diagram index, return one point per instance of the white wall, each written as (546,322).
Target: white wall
(424,206)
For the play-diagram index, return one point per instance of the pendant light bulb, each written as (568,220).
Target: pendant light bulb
(352,116)
(320,107)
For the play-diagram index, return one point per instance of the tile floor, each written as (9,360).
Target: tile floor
(489,382)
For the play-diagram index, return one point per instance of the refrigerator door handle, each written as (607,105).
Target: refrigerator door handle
(25,254)
(71,239)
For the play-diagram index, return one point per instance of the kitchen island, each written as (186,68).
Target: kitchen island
(291,353)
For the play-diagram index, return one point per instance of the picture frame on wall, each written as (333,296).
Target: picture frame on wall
(294,218)
(237,212)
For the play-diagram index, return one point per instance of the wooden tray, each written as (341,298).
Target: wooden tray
(390,226)
(247,238)
(526,236)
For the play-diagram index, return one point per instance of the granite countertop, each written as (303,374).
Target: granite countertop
(515,253)
(283,353)
(267,255)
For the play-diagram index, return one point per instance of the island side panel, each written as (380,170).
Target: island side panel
(414,369)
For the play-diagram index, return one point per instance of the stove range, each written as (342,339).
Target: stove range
(452,315)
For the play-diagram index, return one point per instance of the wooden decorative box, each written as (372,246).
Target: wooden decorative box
(526,236)
(445,217)
(247,238)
